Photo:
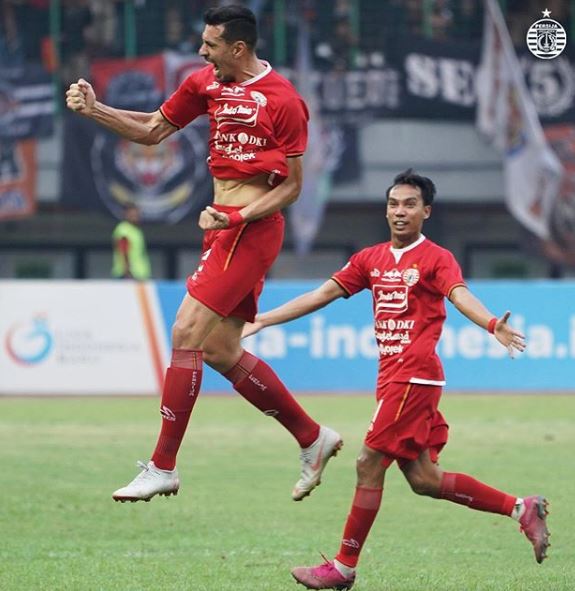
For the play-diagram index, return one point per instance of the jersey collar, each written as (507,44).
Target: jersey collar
(259,76)
(397,252)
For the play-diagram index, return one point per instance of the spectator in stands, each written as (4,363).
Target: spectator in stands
(337,51)
(106,38)
(441,20)
(11,49)
(76,31)
(467,20)
(32,18)
(9,168)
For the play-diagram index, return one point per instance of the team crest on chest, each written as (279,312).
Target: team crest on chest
(410,276)
(260,98)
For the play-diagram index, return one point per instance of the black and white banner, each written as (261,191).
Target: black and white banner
(26,103)
(423,79)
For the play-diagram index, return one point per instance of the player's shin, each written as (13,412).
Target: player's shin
(259,384)
(181,390)
(366,503)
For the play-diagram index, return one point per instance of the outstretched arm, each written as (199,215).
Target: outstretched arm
(142,128)
(472,308)
(300,306)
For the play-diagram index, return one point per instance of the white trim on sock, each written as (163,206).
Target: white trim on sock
(518,509)
(344,571)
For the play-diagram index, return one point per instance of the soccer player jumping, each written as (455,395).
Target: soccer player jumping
(409,277)
(258,134)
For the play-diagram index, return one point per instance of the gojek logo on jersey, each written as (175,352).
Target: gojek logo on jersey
(29,343)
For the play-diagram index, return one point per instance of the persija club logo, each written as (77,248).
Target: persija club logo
(546,38)
(29,343)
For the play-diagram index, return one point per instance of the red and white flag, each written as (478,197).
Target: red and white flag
(507,116)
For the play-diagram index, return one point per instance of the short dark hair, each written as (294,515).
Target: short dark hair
(409,177)
(239,23)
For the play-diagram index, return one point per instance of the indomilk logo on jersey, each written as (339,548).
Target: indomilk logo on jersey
(239,112)
(390,299)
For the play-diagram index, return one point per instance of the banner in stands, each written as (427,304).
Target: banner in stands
(437,80)
(105,337)
(17,178)
(101,170)
(26,103)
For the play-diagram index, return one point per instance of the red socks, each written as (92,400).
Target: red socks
(364,509)
(464,490)
(258,383)
(458,488)
(181,389)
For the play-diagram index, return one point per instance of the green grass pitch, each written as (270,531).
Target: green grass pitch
(234,526)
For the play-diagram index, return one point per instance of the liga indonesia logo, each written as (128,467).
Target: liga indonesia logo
(546,38)
(29,343)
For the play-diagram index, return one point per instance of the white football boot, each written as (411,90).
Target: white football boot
(313,461)
(149,482)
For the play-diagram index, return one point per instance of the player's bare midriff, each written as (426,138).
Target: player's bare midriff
(240,192)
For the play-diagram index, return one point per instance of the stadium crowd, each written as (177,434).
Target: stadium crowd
(343,35)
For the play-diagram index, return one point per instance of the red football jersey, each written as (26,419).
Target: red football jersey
(254,125)
(408,286)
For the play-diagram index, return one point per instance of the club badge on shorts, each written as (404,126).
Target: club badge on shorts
(546,38)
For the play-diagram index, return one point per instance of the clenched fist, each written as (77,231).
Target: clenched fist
(212,219)
(80,97)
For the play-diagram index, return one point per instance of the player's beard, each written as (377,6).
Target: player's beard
(221,77)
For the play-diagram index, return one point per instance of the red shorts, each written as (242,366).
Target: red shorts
(407,422)
(230,276)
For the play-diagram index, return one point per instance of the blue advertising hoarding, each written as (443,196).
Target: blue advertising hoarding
(334,350)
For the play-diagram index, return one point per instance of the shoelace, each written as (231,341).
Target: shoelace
(145,471)
(326,567)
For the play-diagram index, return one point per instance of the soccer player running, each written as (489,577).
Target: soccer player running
(258,133)
(409,277)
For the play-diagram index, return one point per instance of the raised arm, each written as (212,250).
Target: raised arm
(277,198)
(473,308)
(300,306)
(142,128)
